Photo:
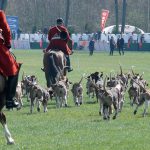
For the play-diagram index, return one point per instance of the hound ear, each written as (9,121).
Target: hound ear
(70,82)
(50,92)
(101,75)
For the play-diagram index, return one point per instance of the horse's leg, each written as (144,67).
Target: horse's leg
(65,99)
(57,102)
(81,100)
(21,102)
(93,95)
(31,105)
(76,100)
(45,105)
(9,139)
(146,107)
(39,103)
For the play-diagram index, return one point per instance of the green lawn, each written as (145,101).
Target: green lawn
(79,128)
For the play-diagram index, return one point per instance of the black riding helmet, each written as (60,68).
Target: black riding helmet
(59,21)
(3,4)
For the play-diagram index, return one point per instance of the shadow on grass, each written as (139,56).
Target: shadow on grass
(91,102)
(140,116)
(54,107)
(97,120)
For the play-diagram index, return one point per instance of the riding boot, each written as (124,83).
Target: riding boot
(11,90)
(68,63)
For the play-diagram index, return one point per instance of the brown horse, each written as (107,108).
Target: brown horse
(9,139)
(54,67)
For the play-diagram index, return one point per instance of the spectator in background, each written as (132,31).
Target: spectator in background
(141,41)
(129,41)
(142,38)
(18,33)
(99,35)
(13,35)
(112,46)
(41,43)
(75,45)
(135,38)
(121,46)
(95,36)
(91,46)
(118,44)
(45,30)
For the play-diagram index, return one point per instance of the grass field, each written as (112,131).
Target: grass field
(79,128)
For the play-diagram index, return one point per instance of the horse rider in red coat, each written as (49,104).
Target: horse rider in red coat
(60,43)
(8,65)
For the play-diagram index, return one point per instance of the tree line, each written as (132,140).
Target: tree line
(82,15)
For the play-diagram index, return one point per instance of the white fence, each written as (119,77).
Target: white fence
(80,39)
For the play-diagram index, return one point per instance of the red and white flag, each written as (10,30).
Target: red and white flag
(104,17)
(41,44)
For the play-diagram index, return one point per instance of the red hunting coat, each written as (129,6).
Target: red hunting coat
(60,45)
(54,31)
(56,43)
(8,65)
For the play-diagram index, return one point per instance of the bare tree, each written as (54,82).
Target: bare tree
(124,4)
(78,13)
(67,12)
(116,12)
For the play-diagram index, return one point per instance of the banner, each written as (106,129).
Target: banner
(104,17)
(13,23)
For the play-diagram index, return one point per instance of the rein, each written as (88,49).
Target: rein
(13,55)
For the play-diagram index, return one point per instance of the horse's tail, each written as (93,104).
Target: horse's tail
(53,65)
(53,61)
(55,72)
